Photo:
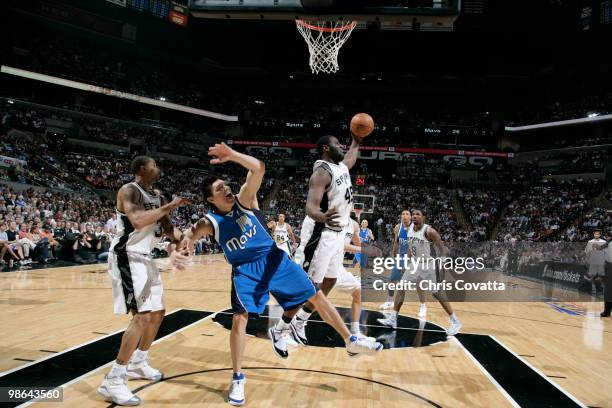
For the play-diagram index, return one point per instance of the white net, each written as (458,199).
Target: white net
(324,39)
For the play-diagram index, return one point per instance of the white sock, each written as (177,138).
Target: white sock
(139,356)
(354,327)
(118,370)
(302,315)
(389,299)
(423,305)
(453,318)
(281,325)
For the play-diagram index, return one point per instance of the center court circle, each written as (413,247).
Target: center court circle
(410,331)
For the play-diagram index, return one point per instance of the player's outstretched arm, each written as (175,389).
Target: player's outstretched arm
(128,198)
(317,185)
(197,231)
(223,153)
(350,158)
(166,223)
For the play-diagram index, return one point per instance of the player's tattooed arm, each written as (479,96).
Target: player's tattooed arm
(222,153)
(166,223)
(129,202)
(350,158)
(434,237)
(318,183)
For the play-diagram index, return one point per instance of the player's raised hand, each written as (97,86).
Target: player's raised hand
(222,153)
(331,218)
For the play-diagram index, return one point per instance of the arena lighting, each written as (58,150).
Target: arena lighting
(112,92)
(592,115)
(598,118)
(11,101)
(161,98)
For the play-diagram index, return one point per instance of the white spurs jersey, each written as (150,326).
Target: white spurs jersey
(339,194)
(142,241)
(418,243)
(280,234)
(349,232)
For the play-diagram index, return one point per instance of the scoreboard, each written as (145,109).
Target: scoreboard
(606,12)
(175,11)
(159,8)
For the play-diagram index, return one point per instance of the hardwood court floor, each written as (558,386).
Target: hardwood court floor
(47,311)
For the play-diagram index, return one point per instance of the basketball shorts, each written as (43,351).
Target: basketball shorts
(596,269)
(274,273)
(346,282)
(136,283)
(321,251)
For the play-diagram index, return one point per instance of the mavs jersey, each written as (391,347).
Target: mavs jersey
(402,239)
(364,235)
(339,194)
(241,235)
(281,235)
(418,242)
(140,241)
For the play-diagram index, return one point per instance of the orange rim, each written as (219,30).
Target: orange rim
(349,25)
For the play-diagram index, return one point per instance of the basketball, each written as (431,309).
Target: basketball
(362,125)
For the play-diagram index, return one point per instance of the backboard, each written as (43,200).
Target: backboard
(429,15)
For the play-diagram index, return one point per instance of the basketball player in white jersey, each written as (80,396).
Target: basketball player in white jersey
(400,247)
(283,235)
(595,258)
(420,239)
(142,218)
(328,207)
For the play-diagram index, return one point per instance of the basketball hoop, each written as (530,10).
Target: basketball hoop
(324,39)
(358,210)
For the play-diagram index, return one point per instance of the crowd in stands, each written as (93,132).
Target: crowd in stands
(543,211)
(481,209)
(57,53)
(62,225)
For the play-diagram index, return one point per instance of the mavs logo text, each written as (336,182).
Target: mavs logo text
(248,231)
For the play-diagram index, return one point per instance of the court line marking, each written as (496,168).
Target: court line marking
(370,380)
(567,394)
(364,325)
(27,404)
(488,375)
